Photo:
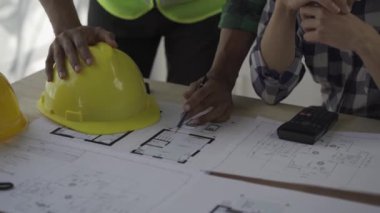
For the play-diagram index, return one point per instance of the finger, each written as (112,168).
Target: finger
(191,90)
(200,108)
(212,115)
(70,51)
(82,47)
(49,63)
(107,37)
(308,12)
(198,97)
(312,36)
(343,5)
(330,5)
(309,24)
(59,58)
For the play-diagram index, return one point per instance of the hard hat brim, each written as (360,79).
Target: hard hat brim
(149,116)
(15,129)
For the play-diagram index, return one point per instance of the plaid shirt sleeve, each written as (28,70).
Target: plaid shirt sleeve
(271,86)
(242,14)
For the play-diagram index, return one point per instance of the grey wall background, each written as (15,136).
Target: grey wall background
(25,33)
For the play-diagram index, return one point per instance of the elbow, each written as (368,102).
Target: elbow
(269,99)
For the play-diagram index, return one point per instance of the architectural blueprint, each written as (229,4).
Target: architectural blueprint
(349,161)
(52,177)
(218,195)
(107,140)
(173,145)
(201,147)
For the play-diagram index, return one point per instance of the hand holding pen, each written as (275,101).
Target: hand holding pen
(213,99)
(185,115)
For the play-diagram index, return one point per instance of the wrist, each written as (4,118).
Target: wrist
(62,27)
(221,76)
(366,40)
(282,8)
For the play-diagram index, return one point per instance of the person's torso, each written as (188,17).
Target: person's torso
(180,11)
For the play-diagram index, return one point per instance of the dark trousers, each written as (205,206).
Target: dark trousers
(189,48)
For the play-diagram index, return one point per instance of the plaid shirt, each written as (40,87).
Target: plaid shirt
(242,14)
(346,86)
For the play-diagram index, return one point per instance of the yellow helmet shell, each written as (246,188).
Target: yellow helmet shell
(106,97)
(12,121)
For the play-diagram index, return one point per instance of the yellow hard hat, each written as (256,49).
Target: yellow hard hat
(106,97)
(12,121)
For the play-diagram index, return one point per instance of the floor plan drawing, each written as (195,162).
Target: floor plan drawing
(209,127)
(213,194)
(196,146)
(91,191)
(173,145)
(338,160)
(244,204)
(107,140)
(73,179)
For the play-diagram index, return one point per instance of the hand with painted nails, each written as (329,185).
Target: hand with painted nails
(72,44)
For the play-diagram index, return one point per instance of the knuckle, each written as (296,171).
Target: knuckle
(201,92)
(98,29)
(80,44)
(64,35)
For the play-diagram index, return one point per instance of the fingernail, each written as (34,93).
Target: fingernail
(186,107)
(76,68)
(88,61)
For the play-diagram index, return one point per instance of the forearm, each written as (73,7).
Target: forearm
(62,14)
(278,42)
(369,51)
(232,49)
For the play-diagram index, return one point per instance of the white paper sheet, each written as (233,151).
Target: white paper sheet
(52,177)
(199,147)
(219,195)
(348,161)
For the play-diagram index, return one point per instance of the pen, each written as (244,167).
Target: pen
(185,114)
(6,186)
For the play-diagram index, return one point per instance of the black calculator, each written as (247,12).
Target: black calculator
(308,126)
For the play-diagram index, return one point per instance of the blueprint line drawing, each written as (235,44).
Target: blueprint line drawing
(338,160)
(76,190)
(243,204)
(209,127)
(173,145)
(209,143)
(86,182)
(213,194)
(107,140)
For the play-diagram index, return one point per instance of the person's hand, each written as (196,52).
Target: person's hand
(70,44)
(334,6)
(336,30)
(215,94)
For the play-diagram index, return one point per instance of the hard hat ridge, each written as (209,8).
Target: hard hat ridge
(106,97)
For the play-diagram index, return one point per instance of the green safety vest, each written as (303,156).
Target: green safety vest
(180,11)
